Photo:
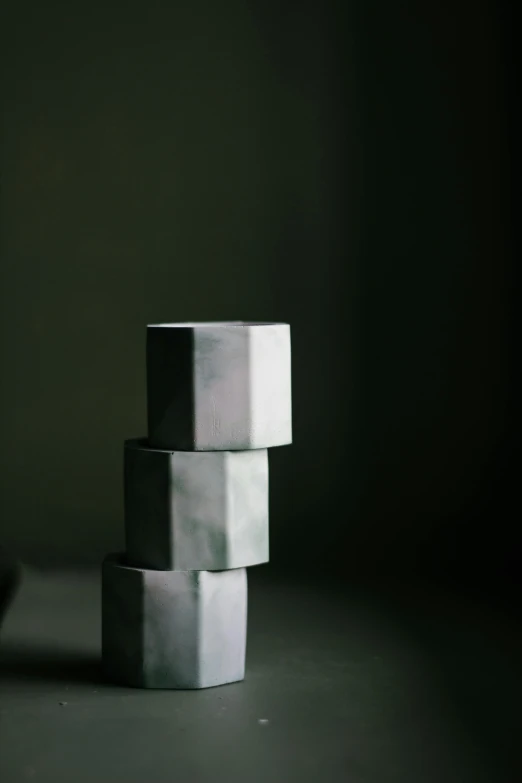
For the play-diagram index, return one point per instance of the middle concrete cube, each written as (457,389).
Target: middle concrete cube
(195,511)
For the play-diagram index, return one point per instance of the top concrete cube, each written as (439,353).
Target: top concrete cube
(219,386)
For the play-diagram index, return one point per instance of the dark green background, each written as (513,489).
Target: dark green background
(344,167)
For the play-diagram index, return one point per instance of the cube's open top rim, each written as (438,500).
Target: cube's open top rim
(213,324)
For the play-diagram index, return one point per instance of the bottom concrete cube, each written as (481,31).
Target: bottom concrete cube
(173,629)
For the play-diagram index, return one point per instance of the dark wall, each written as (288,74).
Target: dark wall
(435,410)
(339,166)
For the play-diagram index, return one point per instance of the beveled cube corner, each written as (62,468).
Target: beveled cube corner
(219,386)
(200,510)
(172,629)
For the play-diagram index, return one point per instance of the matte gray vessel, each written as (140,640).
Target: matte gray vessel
(199,510)
(173,629)
(222,386)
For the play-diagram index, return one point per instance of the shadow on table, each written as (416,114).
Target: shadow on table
(30,662)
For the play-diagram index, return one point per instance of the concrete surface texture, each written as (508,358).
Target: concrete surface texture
(173,629)
(198,510)
(219,386)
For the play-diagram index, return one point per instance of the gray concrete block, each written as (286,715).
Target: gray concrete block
(201,510)
(219,386)
(173,629)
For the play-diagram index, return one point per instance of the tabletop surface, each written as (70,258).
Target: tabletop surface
(341,685)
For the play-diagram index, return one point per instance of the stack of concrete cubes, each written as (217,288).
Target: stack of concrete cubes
(174,604)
